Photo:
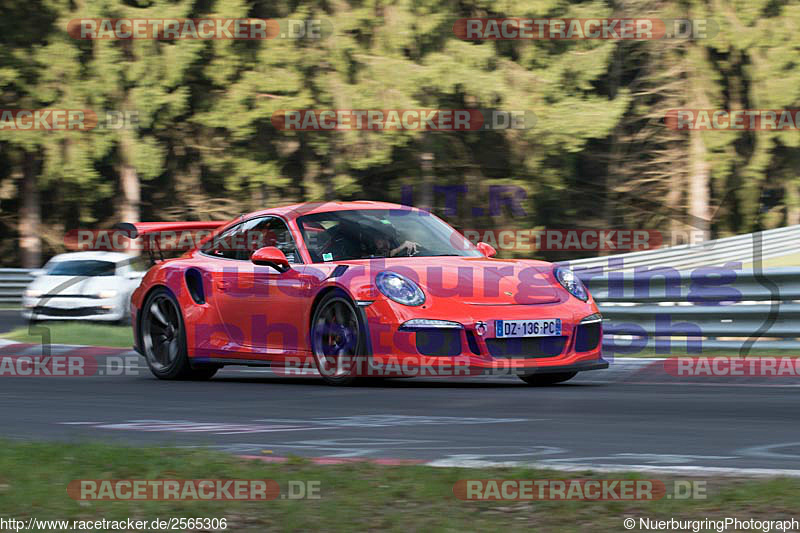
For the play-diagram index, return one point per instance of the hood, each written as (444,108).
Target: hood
(74,285)
(476,280)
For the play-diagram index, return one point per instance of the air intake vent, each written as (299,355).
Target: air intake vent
(439,342)
(587,337)
(526,347)
(194,282)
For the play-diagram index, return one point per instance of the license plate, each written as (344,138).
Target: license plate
(547,327)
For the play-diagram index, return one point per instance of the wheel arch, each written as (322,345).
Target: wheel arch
(362,316)
(323,292)
(137,328)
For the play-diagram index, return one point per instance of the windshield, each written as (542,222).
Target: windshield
(369,233)
(81,268)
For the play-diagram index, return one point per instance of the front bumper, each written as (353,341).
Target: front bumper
(72,308)
(583,366)
(473,349)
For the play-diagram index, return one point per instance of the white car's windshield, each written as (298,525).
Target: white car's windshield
(369,233)
(81,268)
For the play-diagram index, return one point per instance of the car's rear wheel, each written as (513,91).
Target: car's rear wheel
(542,380)
(164,339)
(338,339)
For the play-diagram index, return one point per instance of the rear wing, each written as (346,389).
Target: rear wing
(171,232)
(139,229)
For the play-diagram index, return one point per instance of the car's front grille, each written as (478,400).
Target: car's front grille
(527,347)
(439,342)
(77,311)
(587,337)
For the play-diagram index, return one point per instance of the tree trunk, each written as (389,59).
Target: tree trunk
(792,202)
(426,158)
(699,173)
(128,181)
(675,225)
(30,216)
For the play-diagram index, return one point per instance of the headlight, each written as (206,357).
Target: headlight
(570,281)
(106,294)
(399,288)
(32,293)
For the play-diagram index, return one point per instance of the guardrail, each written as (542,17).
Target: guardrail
(747,248)
(669,311)
(12,284)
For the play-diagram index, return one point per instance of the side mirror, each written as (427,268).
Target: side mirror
(270,256)
(487,249)
(37,272)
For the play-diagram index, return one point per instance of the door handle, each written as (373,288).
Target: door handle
(223,285)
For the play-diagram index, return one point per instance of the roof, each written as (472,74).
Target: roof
(114,257)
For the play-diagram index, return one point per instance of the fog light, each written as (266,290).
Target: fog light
(425,323)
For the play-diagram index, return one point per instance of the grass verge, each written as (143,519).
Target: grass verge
(84,333)
(34,477)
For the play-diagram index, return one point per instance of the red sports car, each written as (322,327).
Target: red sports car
(356,289)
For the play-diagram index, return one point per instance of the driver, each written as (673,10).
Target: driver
(384,245)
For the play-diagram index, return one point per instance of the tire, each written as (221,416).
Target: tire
(543,380)
(163,337)
(338,339)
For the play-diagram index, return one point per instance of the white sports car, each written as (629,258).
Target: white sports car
(82,285)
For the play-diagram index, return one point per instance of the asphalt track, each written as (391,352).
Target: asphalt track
(603,419)
(11,319)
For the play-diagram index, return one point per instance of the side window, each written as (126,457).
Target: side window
(226,245)
(240,241)
(272,231)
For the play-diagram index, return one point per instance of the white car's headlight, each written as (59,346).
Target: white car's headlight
(106,294)
(32,293)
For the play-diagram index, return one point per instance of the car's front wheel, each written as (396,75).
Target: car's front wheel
(542,380)
(338,339)
(164,339)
